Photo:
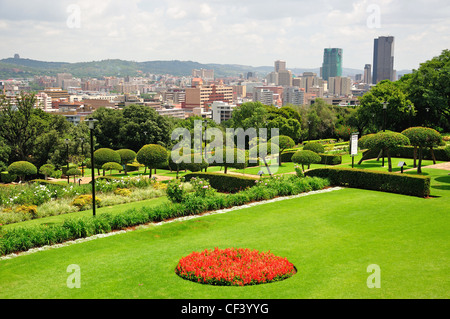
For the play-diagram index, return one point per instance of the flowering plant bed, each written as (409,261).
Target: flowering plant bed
(234,267)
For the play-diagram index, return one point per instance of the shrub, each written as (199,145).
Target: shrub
(126,156)
(202,187)
(306,158)
(22,169)
(224,182)
(122,192)
(47,170)
(105,155)
(20,239)
(112,166)
(152,156)
(329,159)
(422,137)
(373,180)
(7,177)
(175,191)
(84,201)
(315,147)
(27,209)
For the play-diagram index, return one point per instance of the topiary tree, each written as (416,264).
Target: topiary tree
(105,155)
(363,143)
(386,141)
(262,150)
(315,147)
(46,170)
(152,156)
(126,156)
(306,158)
(284,142)
(422,137)
(112,166)
(73,172)
(22,169)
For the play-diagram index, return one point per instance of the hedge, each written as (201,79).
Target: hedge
(6,177)
(373,180)
(224,182)
(327,159)
(23,238)
(408,152)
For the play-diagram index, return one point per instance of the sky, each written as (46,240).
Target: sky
(245,32)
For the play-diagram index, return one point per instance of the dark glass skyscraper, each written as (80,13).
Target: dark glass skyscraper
(383,59)
(332,63)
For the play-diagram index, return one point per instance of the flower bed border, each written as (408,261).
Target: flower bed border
(234,267)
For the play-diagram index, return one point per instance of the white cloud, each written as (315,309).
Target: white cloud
(248,32)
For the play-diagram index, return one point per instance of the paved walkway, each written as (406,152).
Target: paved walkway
(444,166)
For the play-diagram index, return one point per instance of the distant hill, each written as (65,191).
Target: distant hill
(18,67)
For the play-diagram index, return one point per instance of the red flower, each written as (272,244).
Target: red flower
(234,266)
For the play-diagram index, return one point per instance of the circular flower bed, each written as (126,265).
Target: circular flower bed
(234,267)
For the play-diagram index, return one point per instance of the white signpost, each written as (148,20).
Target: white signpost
(354,147)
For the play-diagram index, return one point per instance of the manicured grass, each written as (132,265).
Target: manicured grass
(331,238)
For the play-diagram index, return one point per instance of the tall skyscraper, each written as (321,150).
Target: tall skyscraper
(383,59)
(368,74)
(332,63)
(280,65)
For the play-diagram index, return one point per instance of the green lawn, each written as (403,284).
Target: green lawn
(331,238)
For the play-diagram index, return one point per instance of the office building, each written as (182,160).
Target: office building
(332,63)
(280,65)
(221,111)
(294,95)
(383,59)
(367,74)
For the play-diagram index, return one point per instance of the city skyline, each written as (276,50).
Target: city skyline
(232,32)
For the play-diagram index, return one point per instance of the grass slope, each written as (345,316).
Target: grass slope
(331,238)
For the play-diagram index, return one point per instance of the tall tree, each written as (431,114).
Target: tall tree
(20,124)
(429,90)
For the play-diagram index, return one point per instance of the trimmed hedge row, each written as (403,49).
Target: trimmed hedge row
(373,180)
(22,239)
(408,152)
(224,182)
(327,159)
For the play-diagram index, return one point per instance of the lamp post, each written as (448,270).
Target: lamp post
(309,130)
(206,127)
(410,115)
(385,104)
(67,148)
(82,156)
(91,122)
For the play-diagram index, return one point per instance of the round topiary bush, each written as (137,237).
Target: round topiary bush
(315,147)
(306,158)
(106,155)
(126,156)
(47,170)
(112,166)
(152,156)
(234,267)
(22,169)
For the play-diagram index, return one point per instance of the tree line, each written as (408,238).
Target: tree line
(421,98)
